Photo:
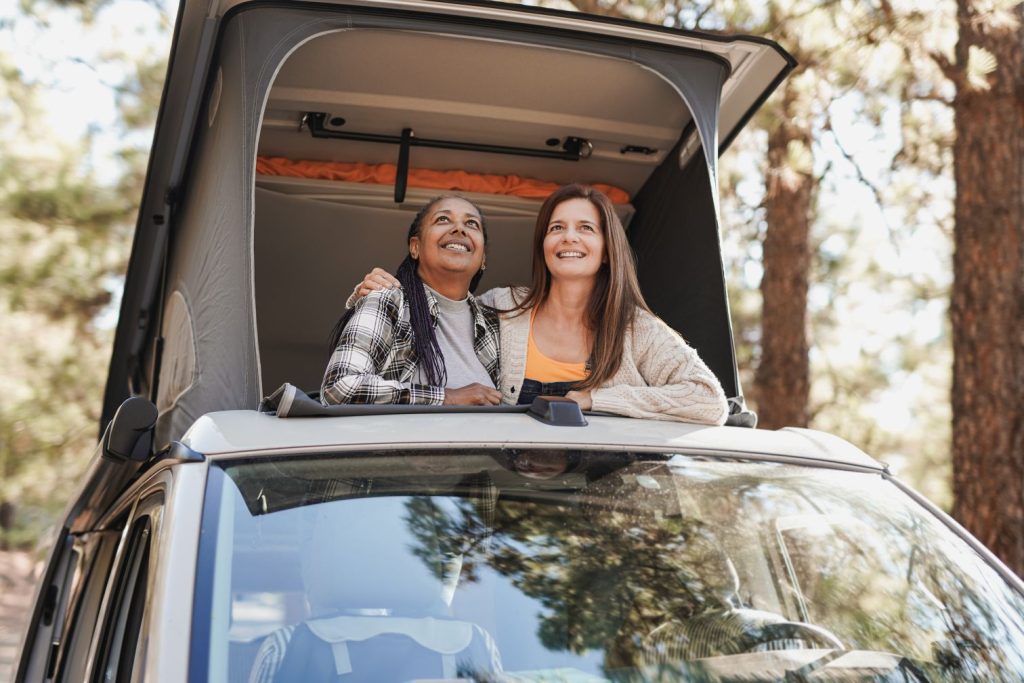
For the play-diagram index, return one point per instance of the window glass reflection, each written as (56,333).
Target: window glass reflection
(545,565)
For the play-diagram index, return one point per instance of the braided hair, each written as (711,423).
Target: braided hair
(424,339)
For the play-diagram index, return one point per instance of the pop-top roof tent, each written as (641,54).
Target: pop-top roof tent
(242,268)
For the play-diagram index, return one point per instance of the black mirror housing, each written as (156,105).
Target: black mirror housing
(129,436)
(557,411)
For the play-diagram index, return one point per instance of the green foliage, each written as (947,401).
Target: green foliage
(68,231)
(602,584)
(139,97)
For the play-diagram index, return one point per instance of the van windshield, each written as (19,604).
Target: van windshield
(556,565)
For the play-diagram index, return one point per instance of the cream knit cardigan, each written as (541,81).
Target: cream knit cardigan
(661,377)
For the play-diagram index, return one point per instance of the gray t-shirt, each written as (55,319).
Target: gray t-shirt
(455,337)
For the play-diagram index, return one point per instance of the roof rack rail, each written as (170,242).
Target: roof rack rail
(289,401)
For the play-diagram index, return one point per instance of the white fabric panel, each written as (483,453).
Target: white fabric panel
(178,369)
(178,366)
(211,251)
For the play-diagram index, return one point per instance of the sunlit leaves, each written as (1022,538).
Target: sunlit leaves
(68,230)
(799,162)
(980,63)
(995,15)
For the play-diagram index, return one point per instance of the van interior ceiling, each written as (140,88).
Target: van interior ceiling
(622,125)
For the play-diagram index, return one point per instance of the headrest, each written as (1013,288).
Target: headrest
(364,555)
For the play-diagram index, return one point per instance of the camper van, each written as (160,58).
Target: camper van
(221,537)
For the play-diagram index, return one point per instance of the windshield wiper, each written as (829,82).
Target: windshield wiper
(911,672)
(906,666)
(799,675)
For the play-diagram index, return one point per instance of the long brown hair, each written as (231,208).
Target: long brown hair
(616,295)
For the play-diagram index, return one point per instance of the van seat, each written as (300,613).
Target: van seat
(241,655)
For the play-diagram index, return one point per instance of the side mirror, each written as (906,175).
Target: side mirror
(130,434)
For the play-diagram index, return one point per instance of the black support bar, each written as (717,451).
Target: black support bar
(402,170)
(573,149)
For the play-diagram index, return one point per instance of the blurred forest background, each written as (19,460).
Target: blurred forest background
(872,218)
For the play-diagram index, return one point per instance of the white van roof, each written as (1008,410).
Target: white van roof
(247,432)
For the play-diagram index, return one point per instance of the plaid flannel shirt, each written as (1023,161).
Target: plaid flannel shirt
(375,359)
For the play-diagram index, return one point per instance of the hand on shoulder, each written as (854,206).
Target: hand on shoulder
(381,299)
(376,280)
(502,297)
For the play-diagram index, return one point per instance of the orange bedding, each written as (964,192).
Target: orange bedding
(384,174)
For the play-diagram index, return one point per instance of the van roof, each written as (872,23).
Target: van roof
(245,432)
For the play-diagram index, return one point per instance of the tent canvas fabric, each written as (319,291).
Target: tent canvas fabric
(211,352)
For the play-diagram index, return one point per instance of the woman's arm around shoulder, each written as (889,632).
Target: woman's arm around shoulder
(502,298)
(354,372)
(677,384)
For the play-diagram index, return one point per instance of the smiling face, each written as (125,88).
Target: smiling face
(450,241)
(574,242)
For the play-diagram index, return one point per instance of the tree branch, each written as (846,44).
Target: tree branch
(861,176)
(948,69)
(700,15)
(864,180)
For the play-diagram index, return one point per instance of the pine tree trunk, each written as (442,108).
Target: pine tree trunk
(987,308)
(7,510)
(783,375)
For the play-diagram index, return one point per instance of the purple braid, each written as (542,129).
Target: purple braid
(424,338)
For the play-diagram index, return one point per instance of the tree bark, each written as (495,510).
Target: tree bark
(987,306)
(7,510)
(783,375)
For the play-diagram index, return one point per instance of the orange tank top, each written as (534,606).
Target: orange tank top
(540,368)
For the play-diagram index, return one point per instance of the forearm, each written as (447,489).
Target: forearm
(370,388)
(688,402)
(677,384)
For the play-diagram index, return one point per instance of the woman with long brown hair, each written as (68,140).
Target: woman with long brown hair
(582,327)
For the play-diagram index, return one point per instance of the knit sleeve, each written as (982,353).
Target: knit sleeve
(490,297)
(502,298)
(678,385)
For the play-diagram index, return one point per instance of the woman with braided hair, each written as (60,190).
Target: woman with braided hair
(426,340)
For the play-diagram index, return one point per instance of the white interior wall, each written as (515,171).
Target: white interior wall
(474,90)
